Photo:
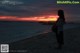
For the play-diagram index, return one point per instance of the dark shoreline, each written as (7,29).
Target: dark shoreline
(45,43)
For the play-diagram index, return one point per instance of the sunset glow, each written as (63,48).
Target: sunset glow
(41,18)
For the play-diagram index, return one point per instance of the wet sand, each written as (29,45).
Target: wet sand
(45,43)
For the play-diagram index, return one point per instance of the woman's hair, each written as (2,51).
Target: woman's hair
(61,14)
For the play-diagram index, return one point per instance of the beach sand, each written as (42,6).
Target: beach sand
(45,43)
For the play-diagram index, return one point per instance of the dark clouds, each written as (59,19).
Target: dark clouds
(36,7)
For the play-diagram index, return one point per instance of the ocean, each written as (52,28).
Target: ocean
(11,31)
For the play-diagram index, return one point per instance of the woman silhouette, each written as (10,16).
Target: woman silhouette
(59,33)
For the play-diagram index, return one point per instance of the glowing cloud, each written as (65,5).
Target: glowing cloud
(15,18)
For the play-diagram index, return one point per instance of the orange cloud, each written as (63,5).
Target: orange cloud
(41,18)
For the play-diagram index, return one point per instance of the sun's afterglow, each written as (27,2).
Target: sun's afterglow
(40,18)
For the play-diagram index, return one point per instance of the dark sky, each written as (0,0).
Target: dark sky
(37,7)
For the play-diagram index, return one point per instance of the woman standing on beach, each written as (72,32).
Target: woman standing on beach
(59,28)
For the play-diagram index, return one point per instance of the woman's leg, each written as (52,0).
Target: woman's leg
(59,37)
(59,46)
(62,37)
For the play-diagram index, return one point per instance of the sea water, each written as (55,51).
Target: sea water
(15,31)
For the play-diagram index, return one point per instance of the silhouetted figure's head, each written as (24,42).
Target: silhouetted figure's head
(61,14)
